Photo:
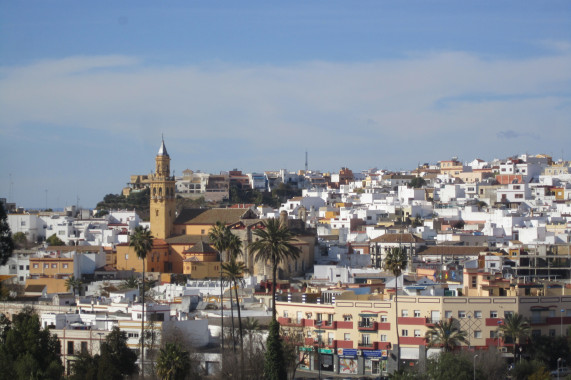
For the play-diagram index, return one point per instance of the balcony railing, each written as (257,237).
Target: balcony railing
(371,326)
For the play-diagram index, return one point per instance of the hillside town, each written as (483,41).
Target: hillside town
(478,243)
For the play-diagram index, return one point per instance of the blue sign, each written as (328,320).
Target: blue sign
(375,353)
(347,352)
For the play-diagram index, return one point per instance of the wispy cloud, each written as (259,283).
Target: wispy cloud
(330,107)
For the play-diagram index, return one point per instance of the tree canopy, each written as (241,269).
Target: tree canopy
(53,240)
(26,350)
(6,242)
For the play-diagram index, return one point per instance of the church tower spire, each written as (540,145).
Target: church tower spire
(162,207)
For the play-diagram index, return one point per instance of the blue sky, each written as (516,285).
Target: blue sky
(87,88)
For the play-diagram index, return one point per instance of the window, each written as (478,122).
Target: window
(202,232)
(27,267)
(84,347)
(404,313)
(551,332)
(330,337)
(133,335)
(461,314)
(478,314)
(285,314)
(448,314)
(417,333)
(417,313)
(35,266)
(404,333)
(347,317)
(319,316)
(383,338)
(493,334)
(366,339)
(347,336)
(54,266)
(474,281)
(21,267)
(535,333)
(64,266)
(384,318)
(477,334)
(519,196)
(70,347)
(508,314)
(127,256)
(493,314)
(46,266)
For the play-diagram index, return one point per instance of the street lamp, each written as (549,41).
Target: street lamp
(562,310)
(319,331)
(475,356)
(558,361)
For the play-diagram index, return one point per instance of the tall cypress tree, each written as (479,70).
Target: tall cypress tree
(6,242)
(274,365)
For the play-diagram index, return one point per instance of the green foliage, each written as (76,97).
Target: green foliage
(417,182)
(138,200)
(396,261)
(524,369)
(173,362)
(275,367)
(278,195)
(53,240)
(20,240)
(73,284)
(27,351)
(450,365)
(446,334)
(115,362)
(274,244)
(548,349)
(6,242)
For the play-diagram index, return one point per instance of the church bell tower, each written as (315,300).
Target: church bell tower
(162,207)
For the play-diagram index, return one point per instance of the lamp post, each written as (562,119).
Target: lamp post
(100,335)
(561,328)
(558,361)
(475,356)
(319,331)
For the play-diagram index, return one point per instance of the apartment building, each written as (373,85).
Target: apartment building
(356,333)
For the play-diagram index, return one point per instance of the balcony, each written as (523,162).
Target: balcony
(383,345)
(288,322)
(365,345)
(413,340)
(558,320)
(343,344)
(370,326)
(418,321)
(328,325)
(494,322)
(345,325)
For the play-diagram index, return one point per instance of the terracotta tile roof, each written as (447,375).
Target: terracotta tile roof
(398,238)
(211,216)
(449,250)
(187,239)
(201,247)
(35,288)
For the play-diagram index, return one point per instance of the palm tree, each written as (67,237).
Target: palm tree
(234,272)
(446,334)
(130,283)
(142,242)
(73,283)
(173,362)
(516,327)
(219,236)
(274,243)
(395,262)
(251,325)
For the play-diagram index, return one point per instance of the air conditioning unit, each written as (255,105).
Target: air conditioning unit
(503,349)
(359,352)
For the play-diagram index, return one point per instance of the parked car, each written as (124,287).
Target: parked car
(563,371)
